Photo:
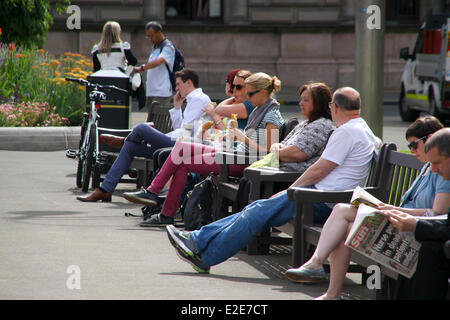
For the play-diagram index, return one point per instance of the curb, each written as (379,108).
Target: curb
(39,139)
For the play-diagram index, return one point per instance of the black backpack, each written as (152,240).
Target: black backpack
(198,208)
(178,64)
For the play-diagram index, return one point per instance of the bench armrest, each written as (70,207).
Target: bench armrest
(222,157)
(447,249)
(263,175)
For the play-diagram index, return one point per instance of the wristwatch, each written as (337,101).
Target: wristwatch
(142,67)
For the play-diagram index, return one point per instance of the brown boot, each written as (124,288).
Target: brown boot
(112,141)
(96,195)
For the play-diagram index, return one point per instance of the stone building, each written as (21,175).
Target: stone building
(297,40)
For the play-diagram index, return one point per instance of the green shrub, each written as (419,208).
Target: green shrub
(34,75)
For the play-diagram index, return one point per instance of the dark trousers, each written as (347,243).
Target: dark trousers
(430,281)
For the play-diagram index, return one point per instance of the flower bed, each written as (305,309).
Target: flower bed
(33,79)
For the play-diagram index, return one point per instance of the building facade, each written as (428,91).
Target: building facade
(297,40)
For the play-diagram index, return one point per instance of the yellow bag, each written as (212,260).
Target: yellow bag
(269,160)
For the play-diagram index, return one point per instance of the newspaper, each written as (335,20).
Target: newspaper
(375,237)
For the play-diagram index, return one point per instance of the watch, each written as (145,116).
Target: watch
(142,67)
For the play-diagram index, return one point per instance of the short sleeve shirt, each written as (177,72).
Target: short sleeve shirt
(158,81)
(311,138)
(423,190)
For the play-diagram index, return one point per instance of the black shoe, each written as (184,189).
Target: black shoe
(185,249)
(148,211)
(157,220)
(144,196)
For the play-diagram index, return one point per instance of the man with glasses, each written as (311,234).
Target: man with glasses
(344,163)
(430,281)
(159,87)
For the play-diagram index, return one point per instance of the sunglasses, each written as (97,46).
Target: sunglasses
(236,86)
(251,94)
(413,145)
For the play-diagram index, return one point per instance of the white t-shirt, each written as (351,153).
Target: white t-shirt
(158,81)
(351,147)
(196,100)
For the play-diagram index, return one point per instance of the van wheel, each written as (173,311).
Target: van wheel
(406,113)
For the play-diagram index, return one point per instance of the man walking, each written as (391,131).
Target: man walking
(162,57)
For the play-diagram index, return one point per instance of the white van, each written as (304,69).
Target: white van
(426,78)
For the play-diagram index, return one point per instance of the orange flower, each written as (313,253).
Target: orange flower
(55,63)
(19,56)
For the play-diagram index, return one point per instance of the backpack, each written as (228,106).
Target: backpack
(198,208)
(178,64)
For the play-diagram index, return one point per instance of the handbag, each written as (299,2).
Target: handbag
(130,71)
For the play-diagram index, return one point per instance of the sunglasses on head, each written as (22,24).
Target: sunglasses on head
(236,86)
(251,94)
(413,145)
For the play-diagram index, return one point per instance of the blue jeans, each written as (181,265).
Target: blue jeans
(143,141)
(220,240)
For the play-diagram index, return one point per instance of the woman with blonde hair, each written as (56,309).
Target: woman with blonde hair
(111,53)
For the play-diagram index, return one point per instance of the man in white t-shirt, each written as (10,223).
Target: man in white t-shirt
(158,86)
(343,165)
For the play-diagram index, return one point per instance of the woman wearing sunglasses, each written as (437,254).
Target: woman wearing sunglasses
(261,132)
(237,103)
(429,194)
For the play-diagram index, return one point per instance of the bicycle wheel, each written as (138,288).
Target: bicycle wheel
(89,160)
(79,179)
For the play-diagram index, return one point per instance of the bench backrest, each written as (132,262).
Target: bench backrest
(398,173)
(161,118)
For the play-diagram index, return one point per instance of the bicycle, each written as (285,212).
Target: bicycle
(88,151)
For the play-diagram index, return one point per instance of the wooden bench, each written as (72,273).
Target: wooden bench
(144,166)
(391,177)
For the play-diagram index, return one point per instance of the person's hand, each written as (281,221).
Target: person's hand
(209,109)
(401,221)
(275,148)
(384,206)
(178,100)
(236,134)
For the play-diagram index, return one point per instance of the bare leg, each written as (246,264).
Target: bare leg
(334,232)
(339,261)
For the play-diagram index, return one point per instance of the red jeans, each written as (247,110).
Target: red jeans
(186,157)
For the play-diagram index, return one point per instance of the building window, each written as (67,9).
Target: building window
(403,10)
(194,9)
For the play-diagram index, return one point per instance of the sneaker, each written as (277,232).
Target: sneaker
(186,249)
(144,196)
(157,220)
(304,275)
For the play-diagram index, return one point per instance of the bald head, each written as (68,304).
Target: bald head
(347,98)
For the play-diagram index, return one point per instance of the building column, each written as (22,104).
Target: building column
(370,17)
(235,12)
(154,10)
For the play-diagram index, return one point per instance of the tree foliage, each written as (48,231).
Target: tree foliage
(26,22)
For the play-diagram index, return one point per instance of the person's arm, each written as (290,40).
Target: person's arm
(424,230)
(315,173)
(291,154)
(236,134)
(132,60)
(440,206)
(96,62)
(150,65)
(227,109)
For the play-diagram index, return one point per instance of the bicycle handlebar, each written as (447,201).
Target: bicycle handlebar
(89,84)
